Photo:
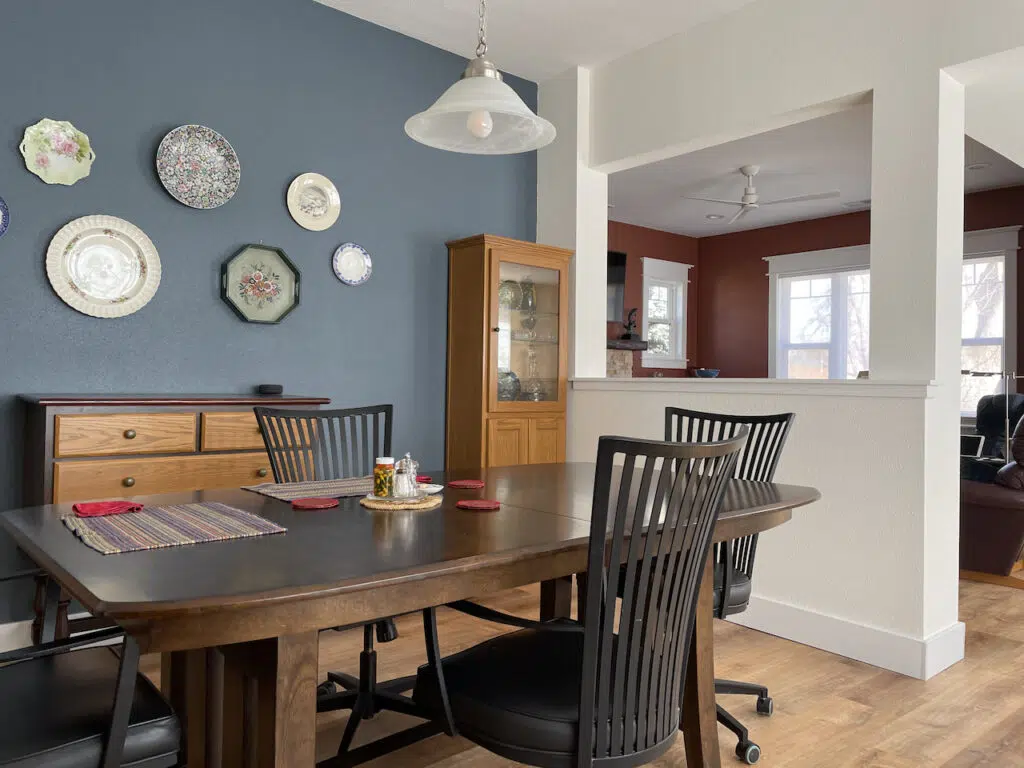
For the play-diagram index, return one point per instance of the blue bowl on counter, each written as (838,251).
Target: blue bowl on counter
(706,373)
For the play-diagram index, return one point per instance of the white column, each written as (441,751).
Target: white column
(916,251)
(572,212)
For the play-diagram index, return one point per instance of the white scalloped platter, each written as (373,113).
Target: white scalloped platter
(103,266)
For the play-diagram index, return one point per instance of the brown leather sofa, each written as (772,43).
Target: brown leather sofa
(992,513)
(991,527)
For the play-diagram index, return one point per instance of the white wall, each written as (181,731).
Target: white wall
(839,575)
(887,467)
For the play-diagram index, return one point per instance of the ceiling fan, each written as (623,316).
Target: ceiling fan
(751,200)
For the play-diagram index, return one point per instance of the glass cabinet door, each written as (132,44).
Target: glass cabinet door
(528,353)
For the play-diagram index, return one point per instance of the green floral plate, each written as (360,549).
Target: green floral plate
(57,152)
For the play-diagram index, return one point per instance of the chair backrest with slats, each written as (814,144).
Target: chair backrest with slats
(634,658)
(324,445)
(757,461)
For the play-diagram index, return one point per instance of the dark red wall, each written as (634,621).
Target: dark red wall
(639,243)
(732,295)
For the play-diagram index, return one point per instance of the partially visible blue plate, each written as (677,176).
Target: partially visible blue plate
(706,373)
(5,217)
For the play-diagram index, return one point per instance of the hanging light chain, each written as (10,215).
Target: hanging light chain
(481,46)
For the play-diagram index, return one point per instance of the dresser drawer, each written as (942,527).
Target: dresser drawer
(109,478)
(230,432)
(124,433)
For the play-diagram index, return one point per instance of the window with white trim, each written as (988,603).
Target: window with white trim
(823,325)
(664,313)
(821,310)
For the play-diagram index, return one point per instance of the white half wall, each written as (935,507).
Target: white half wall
(840,576)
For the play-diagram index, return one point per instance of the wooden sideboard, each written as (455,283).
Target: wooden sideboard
(81,447)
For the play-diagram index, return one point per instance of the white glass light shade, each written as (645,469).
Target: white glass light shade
(515,128)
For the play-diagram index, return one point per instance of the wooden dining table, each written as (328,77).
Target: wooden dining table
(237,621)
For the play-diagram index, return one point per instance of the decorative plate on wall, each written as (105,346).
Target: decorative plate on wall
(57,152)
(198,166)
(5,217)
(103,266)
(260,284)
(313,201)
(352,264)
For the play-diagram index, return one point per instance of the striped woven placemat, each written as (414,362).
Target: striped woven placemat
(170,526)
(332,489)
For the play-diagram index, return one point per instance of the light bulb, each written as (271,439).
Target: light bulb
(480,123)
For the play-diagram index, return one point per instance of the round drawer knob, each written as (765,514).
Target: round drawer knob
(129,434)
(262,472)
(128,482)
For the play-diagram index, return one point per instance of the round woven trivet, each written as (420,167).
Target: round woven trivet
(430,502)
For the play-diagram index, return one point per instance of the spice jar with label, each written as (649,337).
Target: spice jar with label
(384,477)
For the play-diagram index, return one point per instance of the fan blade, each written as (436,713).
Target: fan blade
(739,214)
(712,200)
(805,198)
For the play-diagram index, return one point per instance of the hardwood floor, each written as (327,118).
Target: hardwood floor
(829,711)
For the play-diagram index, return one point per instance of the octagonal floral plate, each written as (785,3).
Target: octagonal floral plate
(260,284)
(103,266)
(57,152)
(313,201)
(198,167)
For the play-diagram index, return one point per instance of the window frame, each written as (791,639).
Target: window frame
(836,345)
(1002,241)
(674,275)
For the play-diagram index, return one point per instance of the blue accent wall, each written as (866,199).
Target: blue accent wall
(294,86)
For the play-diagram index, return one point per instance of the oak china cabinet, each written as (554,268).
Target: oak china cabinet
(507,352)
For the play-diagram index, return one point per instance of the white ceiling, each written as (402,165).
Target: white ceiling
(832,152)
(538,39)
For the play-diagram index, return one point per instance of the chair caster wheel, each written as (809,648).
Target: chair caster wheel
(748,752)
(326,688)
(765,706)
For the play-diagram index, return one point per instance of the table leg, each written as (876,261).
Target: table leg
(556,599)
(269,715)
(700,721)
(185,681)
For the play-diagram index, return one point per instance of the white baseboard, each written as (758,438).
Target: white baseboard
(18,634)
(15,634)
(914,657)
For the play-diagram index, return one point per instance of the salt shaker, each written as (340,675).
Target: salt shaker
(405,477)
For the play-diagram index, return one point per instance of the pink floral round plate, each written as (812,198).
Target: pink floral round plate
(198,167)
(57,152)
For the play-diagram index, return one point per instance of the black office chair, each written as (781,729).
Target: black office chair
(575,695)
(734,560)
(67,708)
(328,445)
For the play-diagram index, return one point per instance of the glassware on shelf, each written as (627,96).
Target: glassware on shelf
(509,386)
(528,320)
(510,294)
(533,387)
(529,298)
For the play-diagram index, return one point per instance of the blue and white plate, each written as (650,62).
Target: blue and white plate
(5,217)
(352,264)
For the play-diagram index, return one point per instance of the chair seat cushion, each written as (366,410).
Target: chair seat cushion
(739,589)
(521,689)
(55,713)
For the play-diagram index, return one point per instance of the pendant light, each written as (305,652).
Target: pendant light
(481,114)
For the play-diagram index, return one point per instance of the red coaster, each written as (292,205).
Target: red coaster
(314,503)
(424,479)
(479,505)
(472,484)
